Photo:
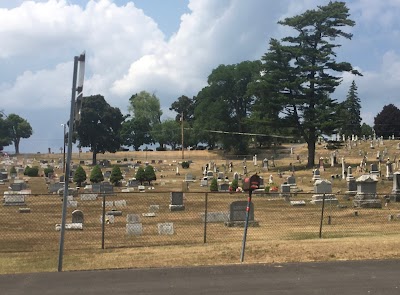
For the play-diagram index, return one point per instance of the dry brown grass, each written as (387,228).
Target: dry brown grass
(29,242)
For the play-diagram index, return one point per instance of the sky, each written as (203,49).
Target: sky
(167,47)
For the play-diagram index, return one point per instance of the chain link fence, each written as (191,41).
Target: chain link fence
(153,218)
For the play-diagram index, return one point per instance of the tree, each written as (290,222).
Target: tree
(167,132)
(225,103)
(96,175)
(149,174)
(80,175)
(366,130)
(145,114)
(299,72)
(136,132)
(18,128)
(140,175)
(183,105)
(351,117)
(214,185)
(99,127)
(386,122)
(116,175)
(5,134)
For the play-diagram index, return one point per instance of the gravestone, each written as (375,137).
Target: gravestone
(154,208)
(285,190)
(72,204)
(176,201)
(366,196)
(133,183)
(323,191)
(210,175)
(189,177)
(88,197)
(107,174)
(215,217)
(165,228)
(134,229)
(395,194)
(237,214)
(120,203)
(114,212)
(204,182)
(54,187)
(14,200)
(374,169)
(109,219)
(351,184)
(223,187)
(17,186)
(316,174)
(106,188)
(265,164)
(389,170)
(132,218)
(77,216)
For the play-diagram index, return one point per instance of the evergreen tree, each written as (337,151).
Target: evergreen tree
(351,113)
(149,174)
(214,185)
(79,175)
(116,175)
(140,175)
(299,72)
(386,123)
(96,175)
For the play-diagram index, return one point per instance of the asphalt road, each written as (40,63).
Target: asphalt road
(361,277)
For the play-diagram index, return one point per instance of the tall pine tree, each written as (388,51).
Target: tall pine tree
(299,72)
(351,113)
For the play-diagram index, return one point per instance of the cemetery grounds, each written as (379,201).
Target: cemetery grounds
(283,233)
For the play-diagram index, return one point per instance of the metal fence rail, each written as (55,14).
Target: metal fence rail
(138,219)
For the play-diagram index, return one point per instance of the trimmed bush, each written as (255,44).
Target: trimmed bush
(31,171)
(185,165)
(96,176)
(214,185)
(48,170)
(116,175)
(79,176)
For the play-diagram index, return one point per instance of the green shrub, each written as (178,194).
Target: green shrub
(116,175)
(214,185)
(140,175)
(48,170)
(31,171)
(79,176)
(13,170)
(96,175)
(149,174)
(234,185)
(185,164)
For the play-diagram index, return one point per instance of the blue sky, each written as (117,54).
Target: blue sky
(168,47)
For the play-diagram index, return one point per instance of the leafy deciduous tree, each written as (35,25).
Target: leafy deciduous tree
(386,122)
(18,128)
(99,127)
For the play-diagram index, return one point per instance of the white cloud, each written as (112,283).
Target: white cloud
(127,52)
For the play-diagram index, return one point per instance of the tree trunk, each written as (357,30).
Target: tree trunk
(311,153)
(94,158)
(16,145)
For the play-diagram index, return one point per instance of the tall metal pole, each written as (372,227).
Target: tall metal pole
(64,125)
(183,153)
(67,166)
(246,225)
